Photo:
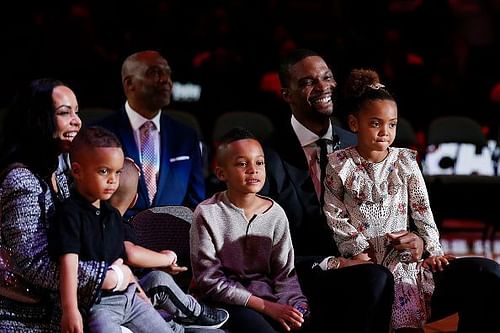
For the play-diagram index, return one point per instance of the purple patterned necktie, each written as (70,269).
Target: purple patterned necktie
(149,157)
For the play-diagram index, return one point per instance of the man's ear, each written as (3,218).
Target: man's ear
(353,123)
(285,94)
(219,173)
(127,83)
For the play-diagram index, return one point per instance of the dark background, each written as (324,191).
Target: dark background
(439,57)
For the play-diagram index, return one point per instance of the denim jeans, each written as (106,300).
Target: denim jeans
(126,309)
(172,301)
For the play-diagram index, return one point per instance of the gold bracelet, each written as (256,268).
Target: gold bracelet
(333,263)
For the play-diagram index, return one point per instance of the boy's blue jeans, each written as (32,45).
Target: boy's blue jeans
(125,309)
(172,301)
(166,295)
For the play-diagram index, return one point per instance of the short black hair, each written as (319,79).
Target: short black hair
(92,137)
(235,134)
(291,59)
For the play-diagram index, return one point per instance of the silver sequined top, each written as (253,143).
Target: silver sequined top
(27,207)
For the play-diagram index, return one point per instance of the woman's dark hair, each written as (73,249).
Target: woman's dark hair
(29,128)
(362,85)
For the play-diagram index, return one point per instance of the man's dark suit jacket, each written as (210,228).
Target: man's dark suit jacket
(181,180)
(289,183)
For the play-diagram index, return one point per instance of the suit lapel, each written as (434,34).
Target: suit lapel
(296,166)
(164,157)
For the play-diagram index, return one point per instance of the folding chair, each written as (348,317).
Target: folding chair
(405,134)
(462,203)
(260,125)
(166,228)
(186,118)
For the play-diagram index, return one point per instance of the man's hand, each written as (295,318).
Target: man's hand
(404,240)
(344,262)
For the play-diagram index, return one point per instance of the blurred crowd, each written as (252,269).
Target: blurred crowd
(440,57)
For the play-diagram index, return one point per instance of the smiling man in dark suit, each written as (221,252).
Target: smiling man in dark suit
(167,151)
(346,295)
(352,295)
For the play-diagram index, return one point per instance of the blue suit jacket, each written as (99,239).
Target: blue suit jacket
(181,180)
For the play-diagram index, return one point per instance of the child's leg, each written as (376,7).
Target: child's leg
(107,315)
(246,320)
(184,309)
(142,317)
(125,309)
(167,295)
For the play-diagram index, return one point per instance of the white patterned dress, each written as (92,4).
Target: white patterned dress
(364,201)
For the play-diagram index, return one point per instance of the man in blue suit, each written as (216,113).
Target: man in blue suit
(167,151)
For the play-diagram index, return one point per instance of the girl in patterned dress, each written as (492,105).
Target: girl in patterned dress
(372,190)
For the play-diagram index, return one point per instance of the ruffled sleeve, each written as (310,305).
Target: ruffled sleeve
(418,201)
(349,240)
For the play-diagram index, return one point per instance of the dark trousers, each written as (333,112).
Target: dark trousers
(246,320)
(471,287)
(356,299)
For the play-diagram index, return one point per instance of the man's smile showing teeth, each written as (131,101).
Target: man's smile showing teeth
(322,100)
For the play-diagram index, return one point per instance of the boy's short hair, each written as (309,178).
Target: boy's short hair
(92,137)
(234,134)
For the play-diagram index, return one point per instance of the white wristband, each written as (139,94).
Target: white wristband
(119,277)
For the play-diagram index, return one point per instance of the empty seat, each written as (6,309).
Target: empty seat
(187,119)
(405,134)
(260,125)
(455,129)
(461,203)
